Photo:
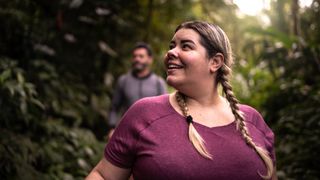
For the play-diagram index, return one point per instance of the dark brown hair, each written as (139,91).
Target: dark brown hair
(143,45)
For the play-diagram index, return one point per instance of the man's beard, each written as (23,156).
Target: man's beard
(138,67)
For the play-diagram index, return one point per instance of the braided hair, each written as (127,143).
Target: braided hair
(214,39)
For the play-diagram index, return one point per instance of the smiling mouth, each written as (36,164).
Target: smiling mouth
(174,66)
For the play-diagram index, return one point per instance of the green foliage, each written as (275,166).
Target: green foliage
(294,113)
(280,69)
(34,143)
(59,60)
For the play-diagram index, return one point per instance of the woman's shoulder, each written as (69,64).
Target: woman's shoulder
(257,125)
(248,111)
(149,109)
(254,117)
(152,104)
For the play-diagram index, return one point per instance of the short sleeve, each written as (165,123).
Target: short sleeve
(120,150)
(269,135)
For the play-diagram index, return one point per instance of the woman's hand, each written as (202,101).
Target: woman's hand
(104,170)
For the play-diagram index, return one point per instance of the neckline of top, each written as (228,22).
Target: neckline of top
(171,108)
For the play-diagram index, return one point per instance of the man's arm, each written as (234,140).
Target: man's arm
(117,103)
(162,86)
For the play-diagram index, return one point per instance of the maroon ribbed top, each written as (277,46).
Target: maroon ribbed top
(152,140)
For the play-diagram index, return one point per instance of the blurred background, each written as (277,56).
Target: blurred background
(59,61)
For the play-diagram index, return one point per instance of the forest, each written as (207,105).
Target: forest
(59,62)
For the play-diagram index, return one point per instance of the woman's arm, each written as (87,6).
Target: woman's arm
(274,175)
(104,170)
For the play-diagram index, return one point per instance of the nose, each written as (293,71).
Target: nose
(172,54)
(136,58)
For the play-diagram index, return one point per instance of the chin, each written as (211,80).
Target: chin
(174,82)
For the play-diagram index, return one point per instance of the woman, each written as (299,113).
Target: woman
(193,133)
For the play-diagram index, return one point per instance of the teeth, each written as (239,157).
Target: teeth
(173,66)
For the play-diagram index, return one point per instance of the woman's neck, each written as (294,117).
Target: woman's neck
(204,101)
(204,97)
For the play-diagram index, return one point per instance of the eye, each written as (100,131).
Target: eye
(186,46)
(171,46)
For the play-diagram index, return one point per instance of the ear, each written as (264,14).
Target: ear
(216,62)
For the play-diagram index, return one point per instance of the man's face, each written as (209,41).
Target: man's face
(140,60)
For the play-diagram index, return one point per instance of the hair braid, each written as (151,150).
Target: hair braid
(223,74)
(222,77)
(195,138)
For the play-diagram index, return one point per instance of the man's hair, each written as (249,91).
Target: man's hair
(143,45)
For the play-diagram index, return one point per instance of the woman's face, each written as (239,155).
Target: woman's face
(187,61)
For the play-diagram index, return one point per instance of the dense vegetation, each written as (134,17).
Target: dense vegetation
(59,60)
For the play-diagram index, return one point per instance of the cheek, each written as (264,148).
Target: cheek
(145,60)
(192,57)
(196,64)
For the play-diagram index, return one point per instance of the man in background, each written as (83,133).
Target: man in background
(138,83)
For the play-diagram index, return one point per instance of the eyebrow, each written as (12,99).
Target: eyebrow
(187,41)
(183,41)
